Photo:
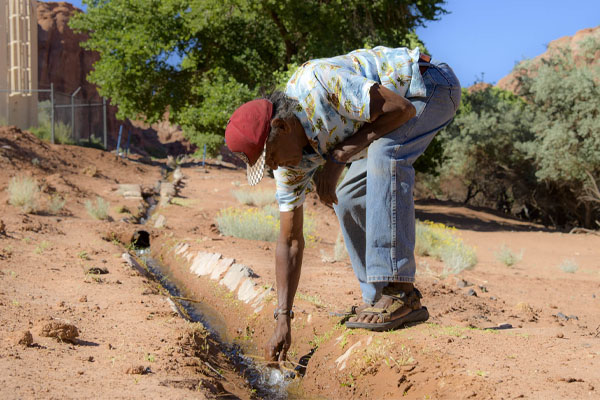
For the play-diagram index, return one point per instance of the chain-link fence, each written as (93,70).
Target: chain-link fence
(61,117)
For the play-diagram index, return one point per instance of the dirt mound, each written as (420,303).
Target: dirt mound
(60,330)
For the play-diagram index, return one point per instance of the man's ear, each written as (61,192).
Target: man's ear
(281,125)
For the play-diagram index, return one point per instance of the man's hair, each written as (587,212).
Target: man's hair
(283,107)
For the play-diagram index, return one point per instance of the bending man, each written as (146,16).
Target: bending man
(377,109)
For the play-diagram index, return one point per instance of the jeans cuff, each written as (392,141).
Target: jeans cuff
(399,279)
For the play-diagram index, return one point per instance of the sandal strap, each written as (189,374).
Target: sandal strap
(400,299)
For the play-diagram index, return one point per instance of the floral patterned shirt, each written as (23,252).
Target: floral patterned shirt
(333,94)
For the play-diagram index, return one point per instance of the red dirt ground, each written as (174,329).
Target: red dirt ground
(124,321)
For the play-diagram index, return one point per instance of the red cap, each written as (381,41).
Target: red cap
(246,135)
(248,129)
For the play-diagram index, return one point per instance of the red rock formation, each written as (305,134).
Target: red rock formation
(509,82)
(66,64)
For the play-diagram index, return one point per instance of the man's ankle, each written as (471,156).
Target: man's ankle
(406,287)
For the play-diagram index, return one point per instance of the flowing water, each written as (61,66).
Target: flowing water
(269,383)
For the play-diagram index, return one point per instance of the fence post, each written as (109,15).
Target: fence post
(104,120)
(128,142)
(204,155)
(119,139)
(73,115)
(52,112)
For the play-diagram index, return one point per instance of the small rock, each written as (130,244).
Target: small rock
(83,299)
(461,283)
(562,316)
(91,359)
(493,298)
(505,326)
(24,338)
(483,289)
(60,330)
(472,292)
(590,387)
(2,228)
(110,346)
(136,370)
(560,335)
(96,270)
(573,317)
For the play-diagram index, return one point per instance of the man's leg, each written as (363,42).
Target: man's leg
(389,219)
(351,213)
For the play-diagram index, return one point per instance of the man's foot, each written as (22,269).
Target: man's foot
(395,308)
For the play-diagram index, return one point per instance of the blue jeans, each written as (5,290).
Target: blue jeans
(375,200)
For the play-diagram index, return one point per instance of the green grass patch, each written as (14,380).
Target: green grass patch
(439,241)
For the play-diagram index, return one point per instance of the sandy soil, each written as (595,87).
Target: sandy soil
(550,349)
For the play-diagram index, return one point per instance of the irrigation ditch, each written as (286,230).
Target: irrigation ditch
(150,260)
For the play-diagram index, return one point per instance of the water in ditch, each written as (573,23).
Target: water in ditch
(269,383)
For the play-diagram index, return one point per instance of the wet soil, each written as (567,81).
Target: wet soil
(531,331)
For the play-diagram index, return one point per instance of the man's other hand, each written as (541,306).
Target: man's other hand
(326,181)
(277,347)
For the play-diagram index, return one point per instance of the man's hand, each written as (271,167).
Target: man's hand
(326,181)
(276,349)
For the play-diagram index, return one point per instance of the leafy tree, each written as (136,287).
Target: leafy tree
(563,90)
(483,147)
(194,57)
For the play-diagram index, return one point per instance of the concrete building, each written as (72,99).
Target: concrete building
(18,63)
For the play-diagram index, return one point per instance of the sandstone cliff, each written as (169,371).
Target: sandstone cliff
(509,82)
(63,62)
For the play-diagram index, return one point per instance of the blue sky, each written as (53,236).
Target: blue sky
(488,36)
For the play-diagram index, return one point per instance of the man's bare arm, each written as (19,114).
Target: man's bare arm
(288,265)
(388,112)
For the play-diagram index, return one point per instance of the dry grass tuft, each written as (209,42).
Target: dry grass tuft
(99,209)
(259,198)
(23,192)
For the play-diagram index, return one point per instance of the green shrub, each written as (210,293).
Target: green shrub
(255,197)
(441,242)
(506,256)
(62,131)
(99,209)
(23,192)
(56,204)
(569,266)
(93,142)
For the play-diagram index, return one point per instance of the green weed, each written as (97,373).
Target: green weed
(43,246)
(507,257)
(569,266)
(315,300)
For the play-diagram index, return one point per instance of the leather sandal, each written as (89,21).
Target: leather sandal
(386,320)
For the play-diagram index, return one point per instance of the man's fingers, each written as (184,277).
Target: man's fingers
(283,352)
